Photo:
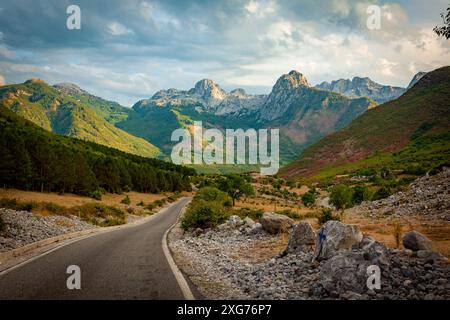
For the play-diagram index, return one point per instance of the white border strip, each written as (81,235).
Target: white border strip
(185,289)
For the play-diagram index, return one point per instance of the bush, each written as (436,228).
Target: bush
(254,214)
(382,193)
(97,195)
(126,200)
(203,214)
(17,205)
(341,196)
(309,198)
(99,214)
(289,213)
(215,195)
(327,215)
(141,204)
(360,194)
(53,208)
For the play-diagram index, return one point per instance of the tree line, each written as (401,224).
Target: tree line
(34,159)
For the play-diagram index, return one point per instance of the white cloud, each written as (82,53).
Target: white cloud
(118,29)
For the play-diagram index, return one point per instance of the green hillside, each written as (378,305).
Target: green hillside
(410,133)
(36,159)
(81,117)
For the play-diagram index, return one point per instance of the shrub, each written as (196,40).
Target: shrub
(215,195)
(126,200)
(141,204)
(54,208)
(150,206)
(360,194)
(382,193)
(97,194)
(254,214)
(341,196)
(17,205)
(99,214)
(203,214)
(327,215)
(309,198)
(289,213)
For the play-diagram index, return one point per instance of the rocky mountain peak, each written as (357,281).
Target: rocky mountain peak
(209,91)
(292,80)
(69,88)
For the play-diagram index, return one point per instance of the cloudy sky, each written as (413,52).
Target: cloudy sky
(127,50)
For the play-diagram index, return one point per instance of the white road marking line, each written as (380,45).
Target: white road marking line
(185,289)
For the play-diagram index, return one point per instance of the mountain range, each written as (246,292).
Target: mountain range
(303,113)
(411,133)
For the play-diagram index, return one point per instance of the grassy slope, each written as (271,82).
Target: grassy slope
(412,130)
(62,114)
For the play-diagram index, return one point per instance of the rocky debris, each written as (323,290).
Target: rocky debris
(247,225)
(427,197)
(275,223)
(23,227)
(302,238)
(416,241)
(334,236)
(404,274)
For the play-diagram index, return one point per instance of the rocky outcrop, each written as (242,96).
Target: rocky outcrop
(334,236)
(416,241)
(275,223)
(302,238)
(362,87)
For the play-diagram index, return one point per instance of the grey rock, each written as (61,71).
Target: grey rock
(275,223)
(335,236)
(416,241)
(302,238)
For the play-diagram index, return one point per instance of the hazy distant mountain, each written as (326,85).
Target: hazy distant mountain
(363,87)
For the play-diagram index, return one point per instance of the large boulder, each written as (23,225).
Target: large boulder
(335,236)
(302,238)
(416,241)
(346,271)
(274,223)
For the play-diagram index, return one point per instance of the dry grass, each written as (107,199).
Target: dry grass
(71,200)
(386,230)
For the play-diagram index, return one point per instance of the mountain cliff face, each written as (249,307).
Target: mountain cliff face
(70,111)
(412,131)
(363,87)
(207,94)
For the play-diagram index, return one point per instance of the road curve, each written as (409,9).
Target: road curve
(127,263)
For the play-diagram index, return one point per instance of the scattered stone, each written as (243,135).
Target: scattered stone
(275,223)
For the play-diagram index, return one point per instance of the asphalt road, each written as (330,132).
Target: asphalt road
(127,263)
